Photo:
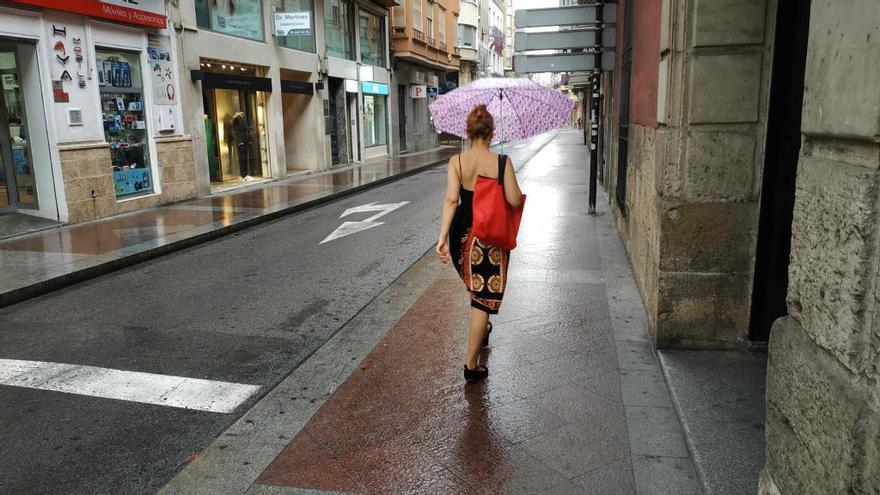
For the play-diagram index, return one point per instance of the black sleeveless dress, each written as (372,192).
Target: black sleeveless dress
(482,267)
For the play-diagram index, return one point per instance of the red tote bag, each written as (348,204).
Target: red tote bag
(495,221)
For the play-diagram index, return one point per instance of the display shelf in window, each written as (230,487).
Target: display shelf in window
(125,122)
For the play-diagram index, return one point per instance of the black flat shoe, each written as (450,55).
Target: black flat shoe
(486,339)
(476,374)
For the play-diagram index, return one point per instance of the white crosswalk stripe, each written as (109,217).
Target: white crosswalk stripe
(134,386)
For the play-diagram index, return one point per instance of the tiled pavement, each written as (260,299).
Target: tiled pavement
(575,401)
(53,258)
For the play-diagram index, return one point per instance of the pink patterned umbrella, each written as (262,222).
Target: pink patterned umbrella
(521,108)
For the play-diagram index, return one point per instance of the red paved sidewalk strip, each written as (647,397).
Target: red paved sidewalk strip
(51,259)
(550,418)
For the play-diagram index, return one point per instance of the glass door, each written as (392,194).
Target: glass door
(17,184)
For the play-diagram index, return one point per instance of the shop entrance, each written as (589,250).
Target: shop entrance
(352,99)
(234,99)
(18,187)
(780,168)
(235,127)
(401,115)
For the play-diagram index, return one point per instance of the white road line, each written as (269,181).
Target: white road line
(147,388)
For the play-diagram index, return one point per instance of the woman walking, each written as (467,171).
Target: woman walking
(481,266)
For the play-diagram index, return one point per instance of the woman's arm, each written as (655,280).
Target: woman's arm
(511,187)
(450,202)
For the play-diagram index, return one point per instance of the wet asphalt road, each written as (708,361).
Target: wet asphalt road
(247,308)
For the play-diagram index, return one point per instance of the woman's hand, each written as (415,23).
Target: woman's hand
(443,250)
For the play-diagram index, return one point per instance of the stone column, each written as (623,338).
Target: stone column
(823,399)
(694,176)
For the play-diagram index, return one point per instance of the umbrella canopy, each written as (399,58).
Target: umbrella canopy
(520,107)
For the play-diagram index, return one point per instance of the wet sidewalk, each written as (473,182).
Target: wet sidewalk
(47,260)
(575,401)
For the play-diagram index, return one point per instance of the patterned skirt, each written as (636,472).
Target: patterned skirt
(483,269)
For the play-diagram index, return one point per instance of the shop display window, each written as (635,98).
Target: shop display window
(375,128)
(125,122)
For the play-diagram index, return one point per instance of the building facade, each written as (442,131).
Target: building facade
(425,53)
(90,110)
(741,154)
(279,87)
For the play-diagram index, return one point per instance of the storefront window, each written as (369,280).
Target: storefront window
(125,123)
(17,184)
(372,30)
(338,16)
(374,121)
(243,18)
(294,24)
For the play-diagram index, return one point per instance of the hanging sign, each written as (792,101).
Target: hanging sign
(140,12)
(293,24)
(419,91)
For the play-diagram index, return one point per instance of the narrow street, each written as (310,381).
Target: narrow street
(245,309)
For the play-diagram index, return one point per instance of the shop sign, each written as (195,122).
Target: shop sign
(419,91)
(304,88)
(374,88)
(231,81)
(432,91)
(140,12)
(293,24)
(351,86)
(132,181)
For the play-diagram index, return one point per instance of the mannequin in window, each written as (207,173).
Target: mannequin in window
(244,140)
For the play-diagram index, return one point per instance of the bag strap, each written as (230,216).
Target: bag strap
(502,161)
(460,173)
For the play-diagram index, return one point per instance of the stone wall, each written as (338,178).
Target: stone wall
(88,179)
(823,400)
(693,183)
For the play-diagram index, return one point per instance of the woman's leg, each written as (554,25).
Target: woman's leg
(476,333)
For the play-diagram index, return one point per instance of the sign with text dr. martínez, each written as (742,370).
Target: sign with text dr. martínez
(293,24)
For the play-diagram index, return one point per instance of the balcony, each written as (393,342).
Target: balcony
(398,32)
(431,42)
(418,35)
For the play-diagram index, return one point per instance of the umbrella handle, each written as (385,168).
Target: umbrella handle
(501,100)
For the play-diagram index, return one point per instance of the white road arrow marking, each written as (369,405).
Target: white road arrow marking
(134,386)
(348,228)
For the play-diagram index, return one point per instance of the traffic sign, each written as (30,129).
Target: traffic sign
(564,16)
(560,40)
(569,62)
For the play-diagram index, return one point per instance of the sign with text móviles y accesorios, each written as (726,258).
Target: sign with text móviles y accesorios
(418,91)
(293,23)
(142,13)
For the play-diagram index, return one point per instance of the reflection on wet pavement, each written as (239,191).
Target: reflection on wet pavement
(46,255)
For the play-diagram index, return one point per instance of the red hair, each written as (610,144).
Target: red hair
(480,124)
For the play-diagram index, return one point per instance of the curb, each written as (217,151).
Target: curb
(44,287)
